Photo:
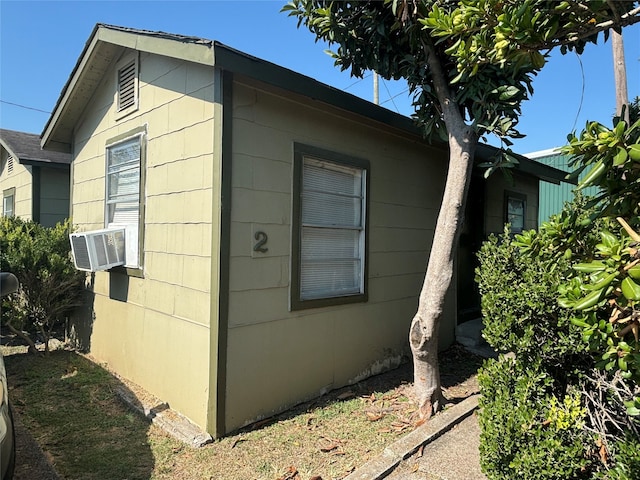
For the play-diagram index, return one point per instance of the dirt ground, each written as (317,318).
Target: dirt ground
(458,369)
(31,462)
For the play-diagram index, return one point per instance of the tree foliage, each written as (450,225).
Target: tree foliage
(604,288)
(469,65)
(566,300)
(488,50)
(50,286)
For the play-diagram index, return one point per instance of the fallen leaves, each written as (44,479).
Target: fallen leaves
(395,404)
(293,474)
(346,395)
(401,425)
(374,416)
(329,448)
(332,446)
(602,450)
(237,441)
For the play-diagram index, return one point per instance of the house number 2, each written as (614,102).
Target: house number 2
(261,238)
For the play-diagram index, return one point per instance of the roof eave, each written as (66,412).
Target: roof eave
(58,131)
(528,166)
(43,163)
(247,65)
(104,45)
(544,172)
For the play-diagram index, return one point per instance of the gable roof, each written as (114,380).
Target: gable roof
(107,42)
(25,148)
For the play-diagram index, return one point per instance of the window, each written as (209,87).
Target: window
(329,232)
(127,86)
(515,211)
(124,205)
(8,202)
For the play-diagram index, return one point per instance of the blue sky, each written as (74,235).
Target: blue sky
(40,42)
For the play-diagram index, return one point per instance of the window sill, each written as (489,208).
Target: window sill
(297,304)
(129,271)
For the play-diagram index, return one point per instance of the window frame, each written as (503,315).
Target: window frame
(141,134)
(301,152)
(121,65)
(508,195)
(9,193)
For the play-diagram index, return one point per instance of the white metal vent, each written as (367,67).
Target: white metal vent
(10,164)
(99,249)
(127,86)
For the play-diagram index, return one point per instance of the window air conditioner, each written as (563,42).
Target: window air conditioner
(99,249)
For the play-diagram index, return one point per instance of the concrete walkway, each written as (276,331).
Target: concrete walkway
(444,448)
(453,456)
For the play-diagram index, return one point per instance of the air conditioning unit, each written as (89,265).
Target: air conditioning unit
(98,249)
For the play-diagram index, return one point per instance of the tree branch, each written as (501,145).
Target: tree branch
(629,18)
(614,8)
(450,108)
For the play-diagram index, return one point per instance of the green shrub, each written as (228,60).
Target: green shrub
(566,301)
(542,413)
(527,431)
(531,416)
(518,279)
(627,456)
(50,286)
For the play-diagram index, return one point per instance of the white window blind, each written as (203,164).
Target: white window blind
(7,205)
(516,213)
(332,236)
(123,192)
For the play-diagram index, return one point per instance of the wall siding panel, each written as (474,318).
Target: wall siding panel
(164,318)
(283,357)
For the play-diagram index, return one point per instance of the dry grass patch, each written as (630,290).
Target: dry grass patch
(70,404)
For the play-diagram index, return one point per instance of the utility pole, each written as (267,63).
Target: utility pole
(376,90)
(620,75)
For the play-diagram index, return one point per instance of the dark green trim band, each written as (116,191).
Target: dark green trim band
(36,189)
(281,77)
(39,163)
(526,165)
(225,249)
(299,152)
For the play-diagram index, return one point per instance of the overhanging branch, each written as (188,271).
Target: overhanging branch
(630,18)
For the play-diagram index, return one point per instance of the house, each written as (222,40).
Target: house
(553,196)
(34,182)
(279,227)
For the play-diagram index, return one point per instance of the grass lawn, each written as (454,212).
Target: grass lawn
(70,406)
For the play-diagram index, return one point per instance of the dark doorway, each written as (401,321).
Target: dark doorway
(471,239)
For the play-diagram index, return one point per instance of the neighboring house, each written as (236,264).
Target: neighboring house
(34,182)
(280,228)
(553,196)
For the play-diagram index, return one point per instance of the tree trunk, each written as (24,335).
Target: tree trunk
(423,335)
(620,75)
(32,346)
